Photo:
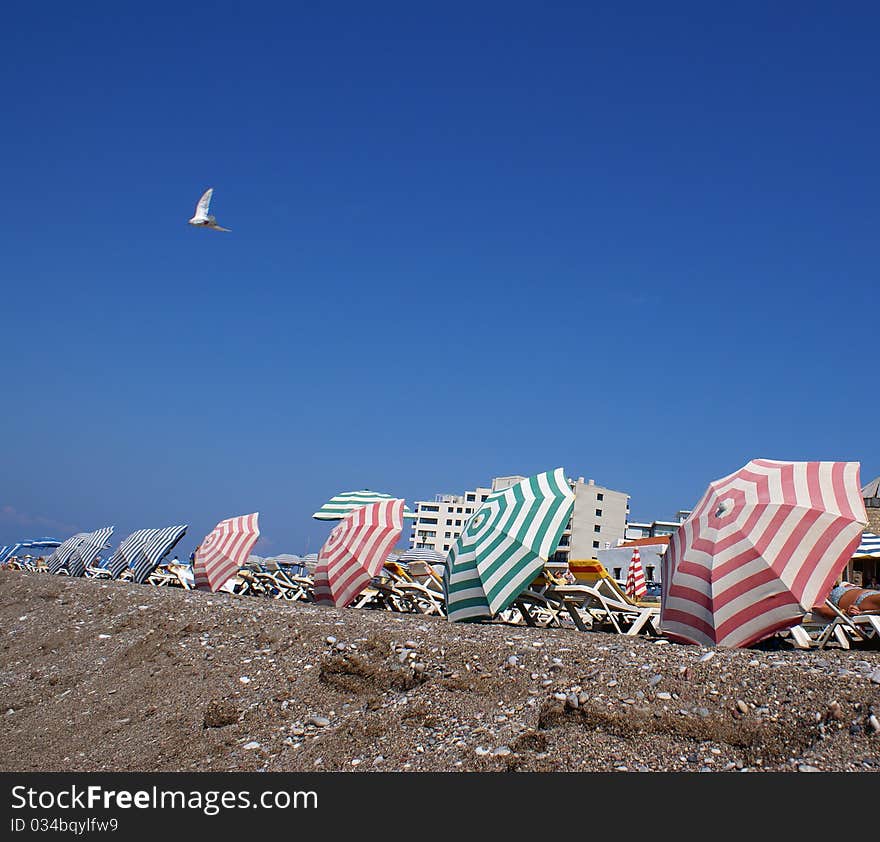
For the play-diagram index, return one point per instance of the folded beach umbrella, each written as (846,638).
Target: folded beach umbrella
(339,506)
(157,545)
(58,560)
(85,552)
(763,546)
(356,550)
(225,550)
(635,577)
(505,544)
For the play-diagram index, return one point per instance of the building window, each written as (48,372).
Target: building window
(424,508)
(468,511)
(617,572)
(483,497)
(428,520)
(598,513)
(458,510)
(447,534)
(449,522)
(446,547)
(649,572)
(600,496)
(597,528)
(595,545)
(471,498)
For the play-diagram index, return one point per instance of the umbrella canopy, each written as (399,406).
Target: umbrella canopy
(504,545)
(127,552)
(157,545)
(85,552)
(340,505)
(225,550)
(762,547)
(422,554)
(356,550)
(869,546)
(58,560)
(635,577)
(28,544)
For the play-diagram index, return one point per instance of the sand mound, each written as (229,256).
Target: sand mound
(116,676)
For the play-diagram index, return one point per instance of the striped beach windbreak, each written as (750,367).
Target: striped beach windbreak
(356,550)
(763,546)
(342,504)
(505,544)
(224,550)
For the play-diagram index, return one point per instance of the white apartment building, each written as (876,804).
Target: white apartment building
(598,520)
(656,528)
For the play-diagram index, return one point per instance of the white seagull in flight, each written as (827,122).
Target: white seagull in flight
(201,217)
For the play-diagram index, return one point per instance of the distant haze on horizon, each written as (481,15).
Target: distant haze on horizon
(466,242)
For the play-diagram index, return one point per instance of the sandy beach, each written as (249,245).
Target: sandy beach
(124,677)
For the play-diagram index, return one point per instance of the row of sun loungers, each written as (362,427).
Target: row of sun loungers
(593,601)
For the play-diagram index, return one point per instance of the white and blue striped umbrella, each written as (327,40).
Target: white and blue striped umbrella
(28,544)
(158,545)
(436,559)
(128,551)
(85,552)
(870,546)
(58,560)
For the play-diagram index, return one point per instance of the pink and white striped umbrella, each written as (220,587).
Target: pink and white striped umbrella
(763,546)
(356,550)
(224,551)
(635,577)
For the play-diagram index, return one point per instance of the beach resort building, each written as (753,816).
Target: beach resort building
(863,568)
(656,528)
(598,519)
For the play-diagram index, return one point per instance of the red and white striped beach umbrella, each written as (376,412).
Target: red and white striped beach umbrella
(763,546)
(356,550)
(635,577)
(224,551)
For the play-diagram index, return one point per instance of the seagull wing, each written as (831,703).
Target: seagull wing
(217,227)
(204,204)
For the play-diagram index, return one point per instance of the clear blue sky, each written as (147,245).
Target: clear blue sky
(636,242)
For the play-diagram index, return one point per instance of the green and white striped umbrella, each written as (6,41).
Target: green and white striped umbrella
(340,505)
(505,544)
